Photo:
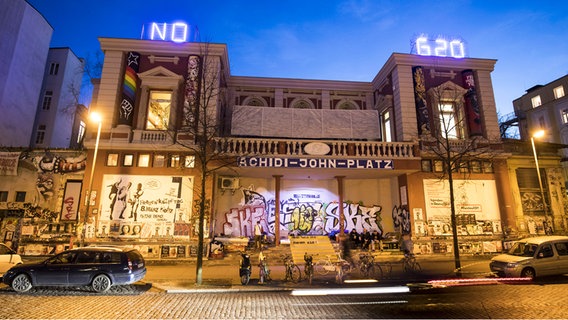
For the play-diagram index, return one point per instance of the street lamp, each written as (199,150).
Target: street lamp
(540,134)
(95,117)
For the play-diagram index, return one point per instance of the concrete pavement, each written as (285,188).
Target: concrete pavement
(223,274)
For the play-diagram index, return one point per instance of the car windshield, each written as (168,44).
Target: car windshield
(523,249)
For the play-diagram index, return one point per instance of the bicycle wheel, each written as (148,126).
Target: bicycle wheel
(415,266)
(295,273)
(323,267)
(377,271)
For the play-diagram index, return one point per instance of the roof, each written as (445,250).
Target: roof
(539,240)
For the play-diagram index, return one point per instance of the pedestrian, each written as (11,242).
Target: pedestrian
(258,232)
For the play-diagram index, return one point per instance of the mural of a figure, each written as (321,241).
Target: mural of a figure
(121,198)
(113,195)
(44,187)
(135,201)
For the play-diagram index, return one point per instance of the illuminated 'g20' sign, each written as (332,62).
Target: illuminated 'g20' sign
(176,32)
(439,47)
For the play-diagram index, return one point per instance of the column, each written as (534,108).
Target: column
(340,194)
(277,209)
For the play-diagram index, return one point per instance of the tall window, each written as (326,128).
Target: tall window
(558,92)
(565,116)
(20,196)
(54,68)
(81,134)
(536,101)
(449,126)
(159,106)
(46,104)
(387,127)
(3,196)
(40,136)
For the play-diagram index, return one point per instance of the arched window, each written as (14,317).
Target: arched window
(300,103)
(255,101)
(347,105)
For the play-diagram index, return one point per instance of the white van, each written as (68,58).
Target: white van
(533,257)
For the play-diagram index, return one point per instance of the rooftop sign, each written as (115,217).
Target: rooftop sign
(439,46)
(175,32)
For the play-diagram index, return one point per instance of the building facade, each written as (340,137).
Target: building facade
(25,44)
(305,156)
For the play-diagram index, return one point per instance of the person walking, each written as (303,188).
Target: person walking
(258,232)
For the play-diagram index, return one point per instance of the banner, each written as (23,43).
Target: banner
(69,209)
(191,96)
(129,87)
(9,163)
(471,105)
(422,116)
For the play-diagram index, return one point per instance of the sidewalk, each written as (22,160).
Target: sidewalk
(222,275)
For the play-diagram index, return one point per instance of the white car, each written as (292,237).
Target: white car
(533,257)
(8,258)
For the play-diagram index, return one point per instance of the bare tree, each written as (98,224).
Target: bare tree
(454,142)
(201,126)
(508,126)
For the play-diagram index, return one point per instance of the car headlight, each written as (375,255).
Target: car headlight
(512,265)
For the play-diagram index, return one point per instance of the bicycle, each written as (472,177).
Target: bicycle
(293,272)
(264,271)
(325,266)
(368,268)
(409,263)
(309,267)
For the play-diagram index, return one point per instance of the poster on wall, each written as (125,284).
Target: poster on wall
(476,207)
(69,209)
(144,206)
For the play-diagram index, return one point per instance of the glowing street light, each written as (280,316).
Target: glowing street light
(95,117)
(540,134)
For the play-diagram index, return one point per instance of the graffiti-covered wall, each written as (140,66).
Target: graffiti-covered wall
(136,206)
(307,207)
(42,196)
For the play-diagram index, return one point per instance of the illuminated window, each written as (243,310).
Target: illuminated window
(536,101)
(112,159)
(189,162)
(174,161)
(558,92)
(449,126)
(159,106)
(128,160)
(387,127)
(475,166)
(159,160)
(40,136)
(487,167)
(144,160)
(565,116)
(81,134)
(438,166)
(46,104)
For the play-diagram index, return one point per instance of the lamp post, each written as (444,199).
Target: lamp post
(540,134)
(95,117)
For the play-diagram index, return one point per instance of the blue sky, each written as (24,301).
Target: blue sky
(337,40)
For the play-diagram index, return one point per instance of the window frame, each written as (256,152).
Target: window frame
(536,101)
(128,160)
(112,159)
(149,124)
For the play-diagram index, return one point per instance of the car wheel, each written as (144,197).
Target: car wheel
(101,283)
(21,283)
(528,273)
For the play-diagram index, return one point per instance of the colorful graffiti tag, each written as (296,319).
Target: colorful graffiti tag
(301,215)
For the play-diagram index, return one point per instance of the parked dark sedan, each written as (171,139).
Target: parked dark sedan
(99,267)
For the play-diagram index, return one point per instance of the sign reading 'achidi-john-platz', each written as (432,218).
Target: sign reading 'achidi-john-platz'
(316,163)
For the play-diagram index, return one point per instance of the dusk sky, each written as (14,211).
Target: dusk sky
(337,40)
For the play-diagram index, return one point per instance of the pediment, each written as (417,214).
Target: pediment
(159,71)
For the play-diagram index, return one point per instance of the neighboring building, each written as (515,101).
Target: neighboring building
(309,153)
(24,49)
(545,107)
(60,120)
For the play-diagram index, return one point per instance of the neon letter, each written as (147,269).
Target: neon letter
(459,45)
(181,35)
(156,28)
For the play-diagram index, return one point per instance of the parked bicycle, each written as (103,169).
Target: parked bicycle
(309,267)
(245,268)
(409,263)
(293,272)
(368,268)
(264,271)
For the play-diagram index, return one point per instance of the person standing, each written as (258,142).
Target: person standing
(258,231)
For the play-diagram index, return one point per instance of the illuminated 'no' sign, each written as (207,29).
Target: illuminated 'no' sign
(176,32)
